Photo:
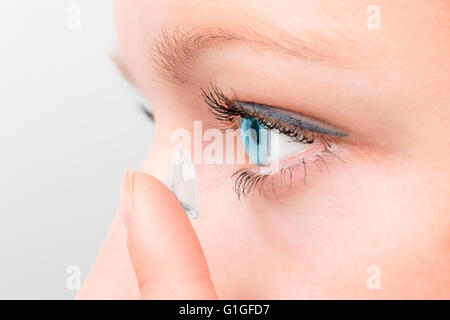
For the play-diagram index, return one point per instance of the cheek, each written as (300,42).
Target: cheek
(362,216)
(239,253)
(325,240)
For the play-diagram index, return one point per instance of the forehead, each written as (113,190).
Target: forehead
(394,30)
(357,22)
(312,15)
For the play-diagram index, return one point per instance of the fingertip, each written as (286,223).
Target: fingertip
(151,193)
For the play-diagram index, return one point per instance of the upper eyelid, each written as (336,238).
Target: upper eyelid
(301,122)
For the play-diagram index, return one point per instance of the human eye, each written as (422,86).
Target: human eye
(276,142)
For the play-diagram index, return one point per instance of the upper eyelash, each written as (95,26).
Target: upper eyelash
(149,114)
(226,110)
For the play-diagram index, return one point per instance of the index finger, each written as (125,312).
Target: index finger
(165,252)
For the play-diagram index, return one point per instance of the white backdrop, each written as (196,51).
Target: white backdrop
(69,127)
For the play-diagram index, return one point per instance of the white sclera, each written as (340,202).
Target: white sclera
(284,147)
(182,181)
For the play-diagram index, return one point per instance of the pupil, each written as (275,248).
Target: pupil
(255,127)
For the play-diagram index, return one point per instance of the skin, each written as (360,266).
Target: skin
(388,205)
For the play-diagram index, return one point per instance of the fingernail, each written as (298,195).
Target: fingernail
(127,196)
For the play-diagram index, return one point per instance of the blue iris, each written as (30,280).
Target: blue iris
(255,138)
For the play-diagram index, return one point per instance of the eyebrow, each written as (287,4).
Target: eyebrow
(173,52)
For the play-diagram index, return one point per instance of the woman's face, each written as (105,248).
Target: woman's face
(357,215)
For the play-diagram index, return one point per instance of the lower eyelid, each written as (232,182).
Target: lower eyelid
(294,173)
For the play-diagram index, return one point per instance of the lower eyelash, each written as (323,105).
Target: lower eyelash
(246,180)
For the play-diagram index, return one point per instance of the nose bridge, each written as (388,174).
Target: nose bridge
(170,136)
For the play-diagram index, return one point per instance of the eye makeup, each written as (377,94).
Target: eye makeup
(310,142)
(288,118)
(299,127)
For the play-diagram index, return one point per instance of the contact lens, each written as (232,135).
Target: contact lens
(182,181)
(256,140)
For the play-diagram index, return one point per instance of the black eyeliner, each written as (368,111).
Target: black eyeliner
(286,117)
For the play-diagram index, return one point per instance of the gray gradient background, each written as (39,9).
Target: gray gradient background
(69,127)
